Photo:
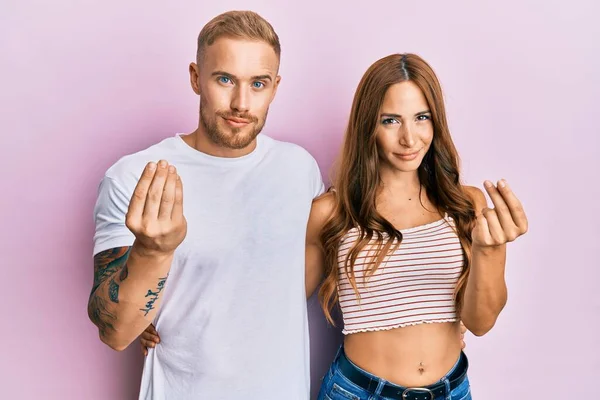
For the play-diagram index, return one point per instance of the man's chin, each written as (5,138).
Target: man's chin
(238,142)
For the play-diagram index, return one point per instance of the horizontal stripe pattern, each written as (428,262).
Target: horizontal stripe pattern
(414,284)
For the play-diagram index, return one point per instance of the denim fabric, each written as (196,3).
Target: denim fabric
(336,386)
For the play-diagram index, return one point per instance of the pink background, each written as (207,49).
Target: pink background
(85,82)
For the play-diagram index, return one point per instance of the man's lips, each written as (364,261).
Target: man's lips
(237,122)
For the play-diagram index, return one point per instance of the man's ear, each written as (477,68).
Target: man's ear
(194,78)
(275,86)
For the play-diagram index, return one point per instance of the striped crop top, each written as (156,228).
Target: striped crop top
(413,285)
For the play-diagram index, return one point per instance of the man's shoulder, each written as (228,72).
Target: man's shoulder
(299,163)
(127,169)
(290,151)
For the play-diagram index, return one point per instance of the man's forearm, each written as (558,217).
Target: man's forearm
(127,292)
(485,293)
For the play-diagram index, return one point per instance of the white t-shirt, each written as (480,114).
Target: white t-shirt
(233,319)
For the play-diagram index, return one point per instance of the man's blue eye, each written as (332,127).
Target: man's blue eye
(224,79)
(258,85)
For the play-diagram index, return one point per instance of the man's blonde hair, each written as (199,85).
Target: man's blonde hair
(237,24)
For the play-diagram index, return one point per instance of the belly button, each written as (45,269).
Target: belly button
(421,368)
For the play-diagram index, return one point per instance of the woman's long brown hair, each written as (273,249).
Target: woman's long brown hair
(357,177)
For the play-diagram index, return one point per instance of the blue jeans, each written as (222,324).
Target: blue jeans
(337,386)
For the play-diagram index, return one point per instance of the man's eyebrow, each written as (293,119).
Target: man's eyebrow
(262,77)
(233,77)
(223,73)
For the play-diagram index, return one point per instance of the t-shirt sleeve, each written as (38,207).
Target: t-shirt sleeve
(109,217)
(317,179)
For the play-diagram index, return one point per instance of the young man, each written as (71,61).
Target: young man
(209,243)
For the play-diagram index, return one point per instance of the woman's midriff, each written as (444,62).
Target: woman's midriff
(412,356)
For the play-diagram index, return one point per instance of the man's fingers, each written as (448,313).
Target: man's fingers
(155,191)
(177,213)
(168,195)
(140,193)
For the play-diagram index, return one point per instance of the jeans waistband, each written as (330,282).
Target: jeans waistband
(375,385)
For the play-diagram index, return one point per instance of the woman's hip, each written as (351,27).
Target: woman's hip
(347,381)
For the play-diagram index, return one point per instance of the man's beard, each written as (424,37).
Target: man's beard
(234,140)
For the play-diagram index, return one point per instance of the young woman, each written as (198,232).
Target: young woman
(405,249)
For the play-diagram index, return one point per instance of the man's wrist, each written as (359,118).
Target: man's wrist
(138,250)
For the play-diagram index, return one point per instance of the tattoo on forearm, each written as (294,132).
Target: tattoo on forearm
(108,263)
(113,291)
(124,273)
(113,286)
(100,316)
(154,296)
